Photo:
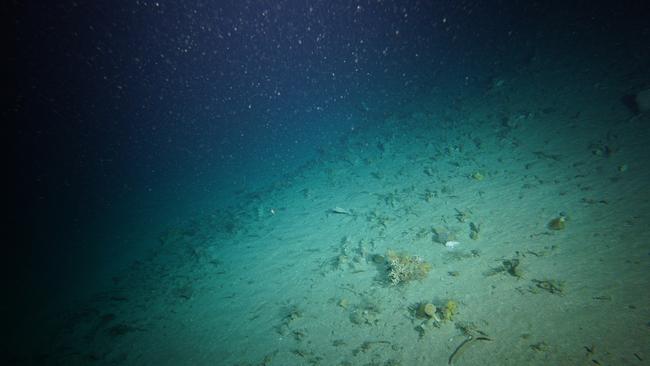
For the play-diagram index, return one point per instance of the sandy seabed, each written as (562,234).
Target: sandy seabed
(282,279)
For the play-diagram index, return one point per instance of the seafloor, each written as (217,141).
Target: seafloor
(281,278)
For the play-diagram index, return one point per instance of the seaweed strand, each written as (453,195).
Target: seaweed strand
(461,346)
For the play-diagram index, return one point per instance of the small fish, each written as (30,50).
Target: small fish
(339,210)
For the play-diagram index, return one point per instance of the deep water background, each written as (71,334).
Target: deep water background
(134,115)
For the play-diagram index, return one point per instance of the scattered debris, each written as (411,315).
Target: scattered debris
(122,329)
(289,316)
(474,230)
(602,150)
(461,216)
(184,292)
(367,345)
(558,223)
(540,347)
(555,287)
(444,236)
(602,298)
(478,176)
(543,155)
(509,266)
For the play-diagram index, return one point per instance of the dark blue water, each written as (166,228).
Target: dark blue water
(134,116)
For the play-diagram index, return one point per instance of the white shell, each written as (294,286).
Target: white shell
(451,243)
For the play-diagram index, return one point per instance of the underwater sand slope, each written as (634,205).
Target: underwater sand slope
(300,273)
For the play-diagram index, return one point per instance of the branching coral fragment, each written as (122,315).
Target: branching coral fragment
(403,268)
